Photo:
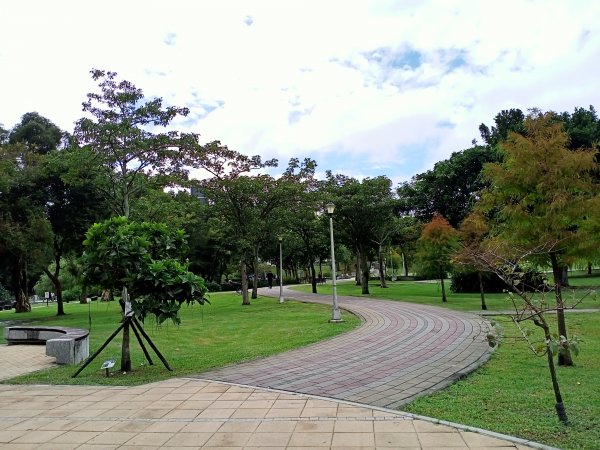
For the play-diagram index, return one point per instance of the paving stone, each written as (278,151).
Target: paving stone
(402,351)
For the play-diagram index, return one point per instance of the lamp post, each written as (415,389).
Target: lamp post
(336,315)
(280,238)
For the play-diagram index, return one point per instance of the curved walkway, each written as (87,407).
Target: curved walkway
(401,351)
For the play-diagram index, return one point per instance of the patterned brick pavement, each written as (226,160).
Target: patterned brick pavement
(22,359)
(193,414)
(402,351)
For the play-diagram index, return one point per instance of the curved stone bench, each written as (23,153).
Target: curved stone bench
(67,345)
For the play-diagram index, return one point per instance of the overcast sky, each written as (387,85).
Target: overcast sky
(365,88)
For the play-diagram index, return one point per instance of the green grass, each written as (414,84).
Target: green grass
(583,279)
(429,293)
(212,336)
(513,394)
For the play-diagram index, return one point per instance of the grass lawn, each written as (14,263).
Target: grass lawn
(583,279)
(215,335)
(429,293)
(513,394)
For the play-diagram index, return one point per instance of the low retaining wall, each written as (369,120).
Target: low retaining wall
(67,345)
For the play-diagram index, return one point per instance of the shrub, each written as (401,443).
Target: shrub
(468,282)
(212,286)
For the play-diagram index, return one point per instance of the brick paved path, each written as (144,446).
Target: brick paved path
(22,359)
(401,351)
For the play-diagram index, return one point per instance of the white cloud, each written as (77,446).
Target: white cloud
(246,68)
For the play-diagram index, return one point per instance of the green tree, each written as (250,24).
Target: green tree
(121,143)
(437,244)
(409,231)
(243,205)
(25,233)
(37,132)
(144,260)
(362,209)
(506,121)
(542,193)
(71,209)
(451,188)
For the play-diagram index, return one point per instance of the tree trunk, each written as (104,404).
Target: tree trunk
(589,270)
(60,310)
(564,356)
(313,273)
(125,347)
(320,269)
(364,270)
(404,264)
(358,276)
(483,304)
(18,283)
(564,276)
(84,294)
(245,299)
(381,269)
(444,299)
(255,278)
(559,406)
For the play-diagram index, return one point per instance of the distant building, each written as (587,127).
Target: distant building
(199,194)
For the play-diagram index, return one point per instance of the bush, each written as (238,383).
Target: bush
(468,282)
(71,295)
(213,286)
(4,294)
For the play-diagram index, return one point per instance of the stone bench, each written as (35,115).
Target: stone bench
(67,345)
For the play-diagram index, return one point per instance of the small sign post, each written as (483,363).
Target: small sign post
(108,364)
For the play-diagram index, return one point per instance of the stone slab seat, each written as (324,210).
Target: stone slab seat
(67,345)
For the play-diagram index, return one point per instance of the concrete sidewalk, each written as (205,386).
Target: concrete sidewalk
(395,355)
(194,414)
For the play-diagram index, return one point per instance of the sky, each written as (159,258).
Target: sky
(365,88)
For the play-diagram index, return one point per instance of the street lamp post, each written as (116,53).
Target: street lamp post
(280,238)
(336,315)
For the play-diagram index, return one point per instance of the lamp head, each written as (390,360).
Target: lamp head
(330,208)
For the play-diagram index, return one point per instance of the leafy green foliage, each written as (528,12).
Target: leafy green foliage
(542,191)
(38,132)
(144,258)
(364,209)
(451,188)
(119,138)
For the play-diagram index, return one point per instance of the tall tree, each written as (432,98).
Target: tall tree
(451,188)
(243,204)
(71,208)
(123,147)
(543,193)
(121,139)
(25,233)
(362,208)
(409,231)
(437,244)
(506,121)
(37,132)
